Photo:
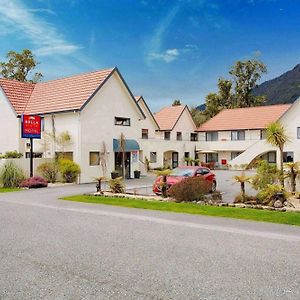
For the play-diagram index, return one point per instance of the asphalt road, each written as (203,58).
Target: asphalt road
(54,249)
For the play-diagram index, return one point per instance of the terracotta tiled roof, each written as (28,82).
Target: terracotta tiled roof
(245,118)
(168,116)
(17,92)
(64,94)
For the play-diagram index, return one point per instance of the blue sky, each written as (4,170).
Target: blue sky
(165,49)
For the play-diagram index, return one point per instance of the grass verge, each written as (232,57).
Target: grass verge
(7,190)
(291,218)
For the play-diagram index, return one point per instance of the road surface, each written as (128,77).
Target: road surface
(54,249)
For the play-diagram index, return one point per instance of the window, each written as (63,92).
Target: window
(167,135)
(235,154)
(298,132)
(179,136)
(194,137)
(122,121)
(263,134)
(94,158)
(186,154)
(64,155)
(238,135)
(145,134)
(153,157)
(211,136)
(288,157)
(272,157)
(212,157)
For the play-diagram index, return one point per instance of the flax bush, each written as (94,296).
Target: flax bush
(11,175)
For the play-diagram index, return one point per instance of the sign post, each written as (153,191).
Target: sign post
(31,129)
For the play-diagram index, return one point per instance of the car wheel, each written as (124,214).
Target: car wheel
(213,187)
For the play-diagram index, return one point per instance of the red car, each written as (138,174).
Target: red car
(181,173)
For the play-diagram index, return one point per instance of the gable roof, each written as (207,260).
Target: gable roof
(169,116)
(245,118)
(60,95)
(140,99)
(18,93)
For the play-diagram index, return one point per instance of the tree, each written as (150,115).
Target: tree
(237,91)
(245,75)
(276,136)
(198,116)
(19,66)
(176,103)
(63,140)
(164,174)
(242,179)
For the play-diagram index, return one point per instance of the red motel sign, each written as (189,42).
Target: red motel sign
(31,127)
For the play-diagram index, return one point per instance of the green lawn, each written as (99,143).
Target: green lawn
(7,190)
(291,218)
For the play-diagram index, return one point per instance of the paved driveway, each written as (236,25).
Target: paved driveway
(54,249)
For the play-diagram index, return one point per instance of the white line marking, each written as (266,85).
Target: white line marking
(263,234)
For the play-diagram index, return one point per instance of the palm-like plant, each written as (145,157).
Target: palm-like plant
(164,174)
(242,179)
(293,171)
(276,136)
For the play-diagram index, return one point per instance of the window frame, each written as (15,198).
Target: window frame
(98,161)
(153,154)
(145,133)
(179,136)
(211,134)
(298,132)
(123,121)
(194,137)
(238,132)
(169,135)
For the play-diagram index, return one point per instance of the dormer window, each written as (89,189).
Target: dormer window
(167,135)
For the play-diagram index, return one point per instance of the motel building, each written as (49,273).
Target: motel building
(95,109)
(236,137)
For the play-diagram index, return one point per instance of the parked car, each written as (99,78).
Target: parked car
(181,173)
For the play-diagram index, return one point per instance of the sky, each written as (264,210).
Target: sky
(164,49)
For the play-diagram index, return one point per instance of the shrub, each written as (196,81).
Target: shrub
(266,174)
(190,189)
(11,175)
(69,170)
(49,171)
(34,182)
(12,154)
(116,185)
(267,195)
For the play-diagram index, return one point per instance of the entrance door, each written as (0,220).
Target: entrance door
(174,160)
(118,163)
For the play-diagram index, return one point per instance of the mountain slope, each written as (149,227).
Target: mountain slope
(282,89)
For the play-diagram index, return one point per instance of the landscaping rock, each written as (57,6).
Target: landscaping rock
(201,202)
(278,204)
(240,205)
(223,204)
(280,209)
(268,208)
(288,204)
(231,204)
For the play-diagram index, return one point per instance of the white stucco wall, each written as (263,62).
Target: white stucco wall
(97,121)
(9,126)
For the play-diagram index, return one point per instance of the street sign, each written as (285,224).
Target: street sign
(31,127)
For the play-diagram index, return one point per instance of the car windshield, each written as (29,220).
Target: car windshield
(182,172)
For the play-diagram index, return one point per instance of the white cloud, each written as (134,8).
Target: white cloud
(167,56)
(43,35)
